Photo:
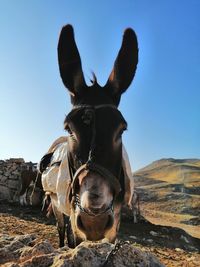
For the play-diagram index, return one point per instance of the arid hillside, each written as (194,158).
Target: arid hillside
(169,191)
(174,171)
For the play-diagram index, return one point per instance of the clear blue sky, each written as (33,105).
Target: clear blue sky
(162,106)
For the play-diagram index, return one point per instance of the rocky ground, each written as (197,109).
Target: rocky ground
(28,238)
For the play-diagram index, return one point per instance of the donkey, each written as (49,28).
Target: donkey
(95,127)
(29,176)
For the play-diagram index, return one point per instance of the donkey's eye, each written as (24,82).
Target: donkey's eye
(68,129)
(120,132)
(123,129)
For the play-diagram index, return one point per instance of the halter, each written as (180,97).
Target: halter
(77,203)
(89,119)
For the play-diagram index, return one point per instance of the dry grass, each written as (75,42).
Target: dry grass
(173,171)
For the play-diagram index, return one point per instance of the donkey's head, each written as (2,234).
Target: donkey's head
(95,126)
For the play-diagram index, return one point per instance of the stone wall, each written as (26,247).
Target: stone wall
(10,177)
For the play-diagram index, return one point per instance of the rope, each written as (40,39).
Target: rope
(33,191)
(113,252)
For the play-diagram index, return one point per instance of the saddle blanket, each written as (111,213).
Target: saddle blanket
(56,179)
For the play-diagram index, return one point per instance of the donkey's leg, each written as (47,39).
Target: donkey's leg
(60,225)
(111,235)
(70,236)
(73,234)
(22,199)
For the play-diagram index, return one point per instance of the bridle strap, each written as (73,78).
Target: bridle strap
(94,106)
(76,201)
(100,170)
(91,166)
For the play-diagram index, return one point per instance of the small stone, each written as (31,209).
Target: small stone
(150,240)
(191,258)
(133,237)
(154,233)
(178,250)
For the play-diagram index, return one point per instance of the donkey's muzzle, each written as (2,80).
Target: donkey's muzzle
(95,227)
(96,168)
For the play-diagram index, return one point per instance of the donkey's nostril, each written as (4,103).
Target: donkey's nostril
(93,196)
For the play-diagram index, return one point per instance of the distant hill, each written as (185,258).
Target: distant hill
(169,192)
(173,171)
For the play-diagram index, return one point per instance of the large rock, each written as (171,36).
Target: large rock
(12,247)
(4,192)
(25,251)
(13,184)
(3,179)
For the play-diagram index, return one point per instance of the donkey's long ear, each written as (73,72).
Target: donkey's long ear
(70,62)
(124,67)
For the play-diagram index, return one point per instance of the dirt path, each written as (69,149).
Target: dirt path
(159,240)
